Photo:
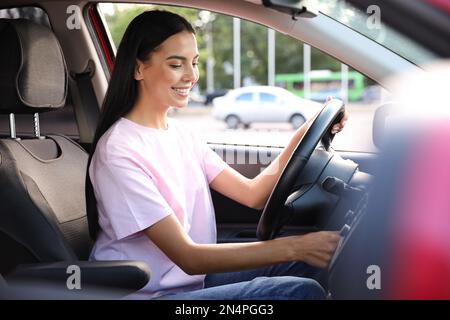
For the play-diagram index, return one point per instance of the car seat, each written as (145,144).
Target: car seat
(43,224)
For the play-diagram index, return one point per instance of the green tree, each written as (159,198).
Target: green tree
(118,22)
(222,37)
(254,52)
(288,54)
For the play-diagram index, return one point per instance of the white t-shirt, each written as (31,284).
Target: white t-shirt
(141,175)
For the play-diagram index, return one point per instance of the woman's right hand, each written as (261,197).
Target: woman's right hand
(316,248)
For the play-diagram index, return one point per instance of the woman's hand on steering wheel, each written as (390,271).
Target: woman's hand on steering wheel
(338,127)
(319,129)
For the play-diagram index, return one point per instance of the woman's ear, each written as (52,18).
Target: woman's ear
(139,70)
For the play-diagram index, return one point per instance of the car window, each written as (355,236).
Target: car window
(219,72)
(61,121)
(267,97)
(245,97)
(375,29)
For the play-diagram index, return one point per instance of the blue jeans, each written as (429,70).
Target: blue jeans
(287,281)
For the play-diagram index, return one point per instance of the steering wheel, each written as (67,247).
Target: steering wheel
(274,216)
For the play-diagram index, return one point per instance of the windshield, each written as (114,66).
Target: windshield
(370,24)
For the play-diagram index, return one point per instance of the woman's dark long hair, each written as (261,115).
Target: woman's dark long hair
(144,34)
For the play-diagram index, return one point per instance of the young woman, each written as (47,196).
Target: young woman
(150,178)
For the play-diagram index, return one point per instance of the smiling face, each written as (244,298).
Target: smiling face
(166,79)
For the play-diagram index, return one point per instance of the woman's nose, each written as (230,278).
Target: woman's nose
(191,74)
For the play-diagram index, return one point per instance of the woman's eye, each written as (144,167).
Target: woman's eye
(175,66)
(195,64)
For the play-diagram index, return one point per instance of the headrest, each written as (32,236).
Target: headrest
(33,76)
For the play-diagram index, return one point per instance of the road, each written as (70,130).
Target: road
(357,135)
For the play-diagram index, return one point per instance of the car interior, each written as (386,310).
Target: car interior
(43,215)
(48,69)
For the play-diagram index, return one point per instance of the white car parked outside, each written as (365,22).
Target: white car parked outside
(252,104)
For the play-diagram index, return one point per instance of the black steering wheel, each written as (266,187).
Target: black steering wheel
(274,215)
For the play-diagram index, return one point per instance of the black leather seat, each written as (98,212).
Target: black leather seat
(42,179)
